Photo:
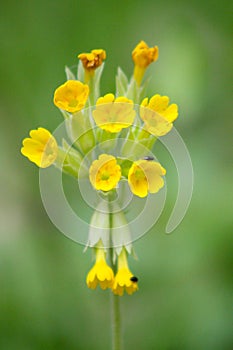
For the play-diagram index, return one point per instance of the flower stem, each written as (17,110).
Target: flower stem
(116,323)
(91,84)
(115,302)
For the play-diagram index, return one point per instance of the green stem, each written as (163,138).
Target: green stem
(143,134)
(91,84)
(116,322)
(115,302)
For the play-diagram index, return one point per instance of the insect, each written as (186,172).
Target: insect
(134,279)
(148,158)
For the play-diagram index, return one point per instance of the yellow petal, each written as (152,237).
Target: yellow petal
(145,176)
(71,96)
(41,148)
(112,114)
(158,115)
(104,173)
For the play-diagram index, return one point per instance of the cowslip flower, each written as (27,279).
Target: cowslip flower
(41,148)
(145,176)
(143,56)
(158,115)
(71,96)
(114,114)
(124,280)
(107,127)
(93,59)
(101,274)
(104,173)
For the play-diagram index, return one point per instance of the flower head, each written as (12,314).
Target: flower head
(145,176)
(100,274)
(158,115)
(114,114)
(104,173)
(71,96)
(124,279)
(92,60)
(41,148)
(143,56)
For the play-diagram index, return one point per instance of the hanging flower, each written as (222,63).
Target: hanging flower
(143,56)
(124,281)
(71,96)
(105,173)
(100,274)
(41,148)
(114,114)
(145,176)
(92,60)
(158,115)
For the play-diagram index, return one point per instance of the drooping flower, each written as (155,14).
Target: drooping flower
(114,114)
(158,115)
(41,148)
(101,274)
(105,173)
(71,96)
(124,280)
(143,56)
(93,59)
(145,176)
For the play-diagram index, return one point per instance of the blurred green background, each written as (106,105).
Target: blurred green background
(185,296)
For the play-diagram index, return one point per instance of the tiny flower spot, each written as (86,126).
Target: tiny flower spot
(134,279)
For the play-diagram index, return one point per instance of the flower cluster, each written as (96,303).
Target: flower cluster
(112,137)
(102,274)
(143,176)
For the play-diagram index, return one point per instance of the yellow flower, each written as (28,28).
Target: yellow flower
(104,173)
(92,60)
(114,114)
(124,279)
(145,176)
(143,56)
(41,148)
(100,273)
(71,96)
(158,115)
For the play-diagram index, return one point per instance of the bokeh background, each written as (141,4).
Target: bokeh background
(185,296)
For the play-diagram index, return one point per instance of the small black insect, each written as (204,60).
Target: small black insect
(148,158)
(134,279)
